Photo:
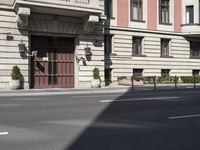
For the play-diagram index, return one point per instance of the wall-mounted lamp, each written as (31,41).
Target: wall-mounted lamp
(24,52)
(22,47)
(88,51)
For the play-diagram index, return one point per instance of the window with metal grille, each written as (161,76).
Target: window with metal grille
(137,46)
(164,47)
(195,48)
(165,72)
(137,72)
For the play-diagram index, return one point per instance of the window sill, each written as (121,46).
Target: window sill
(134,55)
(194,57)
(140,21)
(167,56)
(167,24)
(190,24)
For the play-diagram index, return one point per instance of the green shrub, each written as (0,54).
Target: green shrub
(96,74)
(15,73)
(121,78)
(164,80)
(190,79)
(138,78)
(148,79)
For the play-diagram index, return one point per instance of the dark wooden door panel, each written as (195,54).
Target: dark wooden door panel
(54,65)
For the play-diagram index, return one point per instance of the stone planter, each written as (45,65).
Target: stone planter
(14,84)
(95,83)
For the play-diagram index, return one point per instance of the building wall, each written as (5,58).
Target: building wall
(121,11)
(50,25)
(9,51)
(123,62)
(179,63)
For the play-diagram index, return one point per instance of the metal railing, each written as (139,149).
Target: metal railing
(156,82)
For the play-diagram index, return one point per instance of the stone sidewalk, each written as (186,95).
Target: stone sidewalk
(77,91)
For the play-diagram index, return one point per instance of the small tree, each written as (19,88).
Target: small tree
(15,73)
(96,74)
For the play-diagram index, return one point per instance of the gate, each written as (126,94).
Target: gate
(53,67)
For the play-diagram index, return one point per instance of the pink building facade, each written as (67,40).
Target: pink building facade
(152,37)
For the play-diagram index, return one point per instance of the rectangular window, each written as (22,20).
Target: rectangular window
(194,48)
(108,44)
(108,8)
(164,47)
(137,72)
(164,11)
(136,10)
(195,72)
(189,14)
(137,46)
(165,72)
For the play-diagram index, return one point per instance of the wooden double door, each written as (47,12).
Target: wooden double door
(53,67)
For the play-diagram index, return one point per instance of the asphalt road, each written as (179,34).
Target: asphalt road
(151,120)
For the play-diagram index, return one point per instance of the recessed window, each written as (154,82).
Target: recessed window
(164,11)
(164,47)
(195,48)
(136,10)
(137,72)
(195,72)
(189,14)
(108,8)
(137,46)
(108,44)
(165,72)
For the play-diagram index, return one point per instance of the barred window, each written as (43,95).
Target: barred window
(137,72)
(195,48)
(137,46)
(165,72)
(164,47)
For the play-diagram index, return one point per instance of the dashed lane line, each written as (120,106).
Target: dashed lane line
(141,99)
(184,117)
(3,133)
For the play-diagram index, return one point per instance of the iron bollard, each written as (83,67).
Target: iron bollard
(132,82)
(154,82)
(176,80)
(194,82)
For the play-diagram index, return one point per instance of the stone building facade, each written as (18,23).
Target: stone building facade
(67,36)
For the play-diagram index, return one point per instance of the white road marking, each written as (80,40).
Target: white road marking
(139,99)
(184,117)
(3,133)
(10,105)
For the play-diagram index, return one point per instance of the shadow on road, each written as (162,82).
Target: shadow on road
(140,125)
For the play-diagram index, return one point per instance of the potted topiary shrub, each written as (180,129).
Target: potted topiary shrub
(15,78)
(96,83)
